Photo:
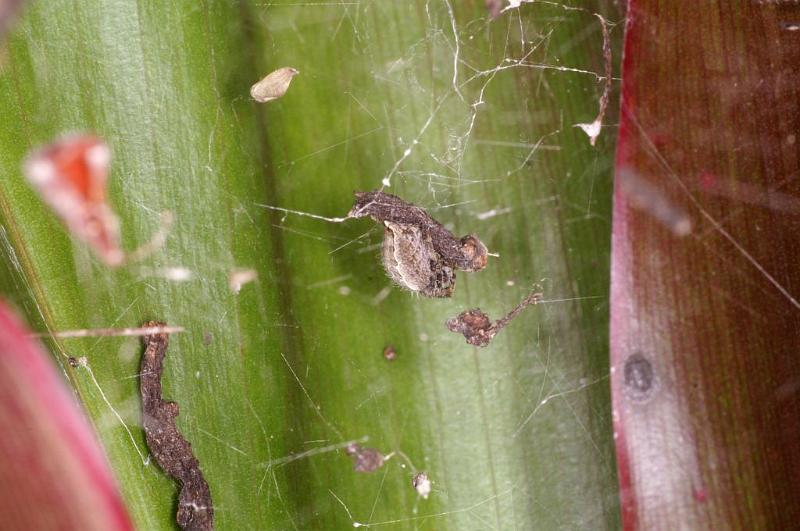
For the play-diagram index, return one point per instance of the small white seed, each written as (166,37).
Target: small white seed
(274,85)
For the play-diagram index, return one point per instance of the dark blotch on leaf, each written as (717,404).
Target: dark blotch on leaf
(170,450)
(639,377)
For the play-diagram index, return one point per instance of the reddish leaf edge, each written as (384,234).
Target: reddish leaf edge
(25,362)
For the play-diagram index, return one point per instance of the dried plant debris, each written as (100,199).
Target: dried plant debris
(171,451)
(422,484)
(592,129)
(478,329)
(365,459)
(71,175)
(239,277)
(274,85)
(419,254)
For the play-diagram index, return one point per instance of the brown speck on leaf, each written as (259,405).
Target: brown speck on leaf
(274,85)
(479,329)
(389,353)
(208,338)
(364,459)
(168,447)
(419,253)
(73,362)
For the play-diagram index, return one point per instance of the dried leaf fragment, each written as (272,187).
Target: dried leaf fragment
(239,277)
(592,129)
(274,85)
(169,448)
(365,459)
(419,253)
(478,329)
(71,175)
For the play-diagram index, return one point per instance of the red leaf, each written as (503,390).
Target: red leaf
(705,276)
(53,474)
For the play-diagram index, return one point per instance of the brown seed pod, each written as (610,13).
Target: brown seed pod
(274,85)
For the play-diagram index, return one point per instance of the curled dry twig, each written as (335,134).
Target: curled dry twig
(168,447)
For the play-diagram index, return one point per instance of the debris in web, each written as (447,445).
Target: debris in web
(422,484)
(171,450)
(593,129)
(478,329)
(112,332)
(389,353)
(172,273)
(649,199)
(274,85)
(365,459)
(71,175)
(419,253)
(239,277)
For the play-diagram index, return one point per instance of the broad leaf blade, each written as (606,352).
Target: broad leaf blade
(272,380)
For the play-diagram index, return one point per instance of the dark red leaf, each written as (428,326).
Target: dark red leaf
(705,276)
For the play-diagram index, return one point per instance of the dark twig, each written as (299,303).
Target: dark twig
(171,451)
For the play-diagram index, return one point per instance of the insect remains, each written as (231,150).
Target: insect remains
(478,329)
(419,253)
(274,85)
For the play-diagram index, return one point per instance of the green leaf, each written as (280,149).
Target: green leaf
(273,381)
(704,282)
